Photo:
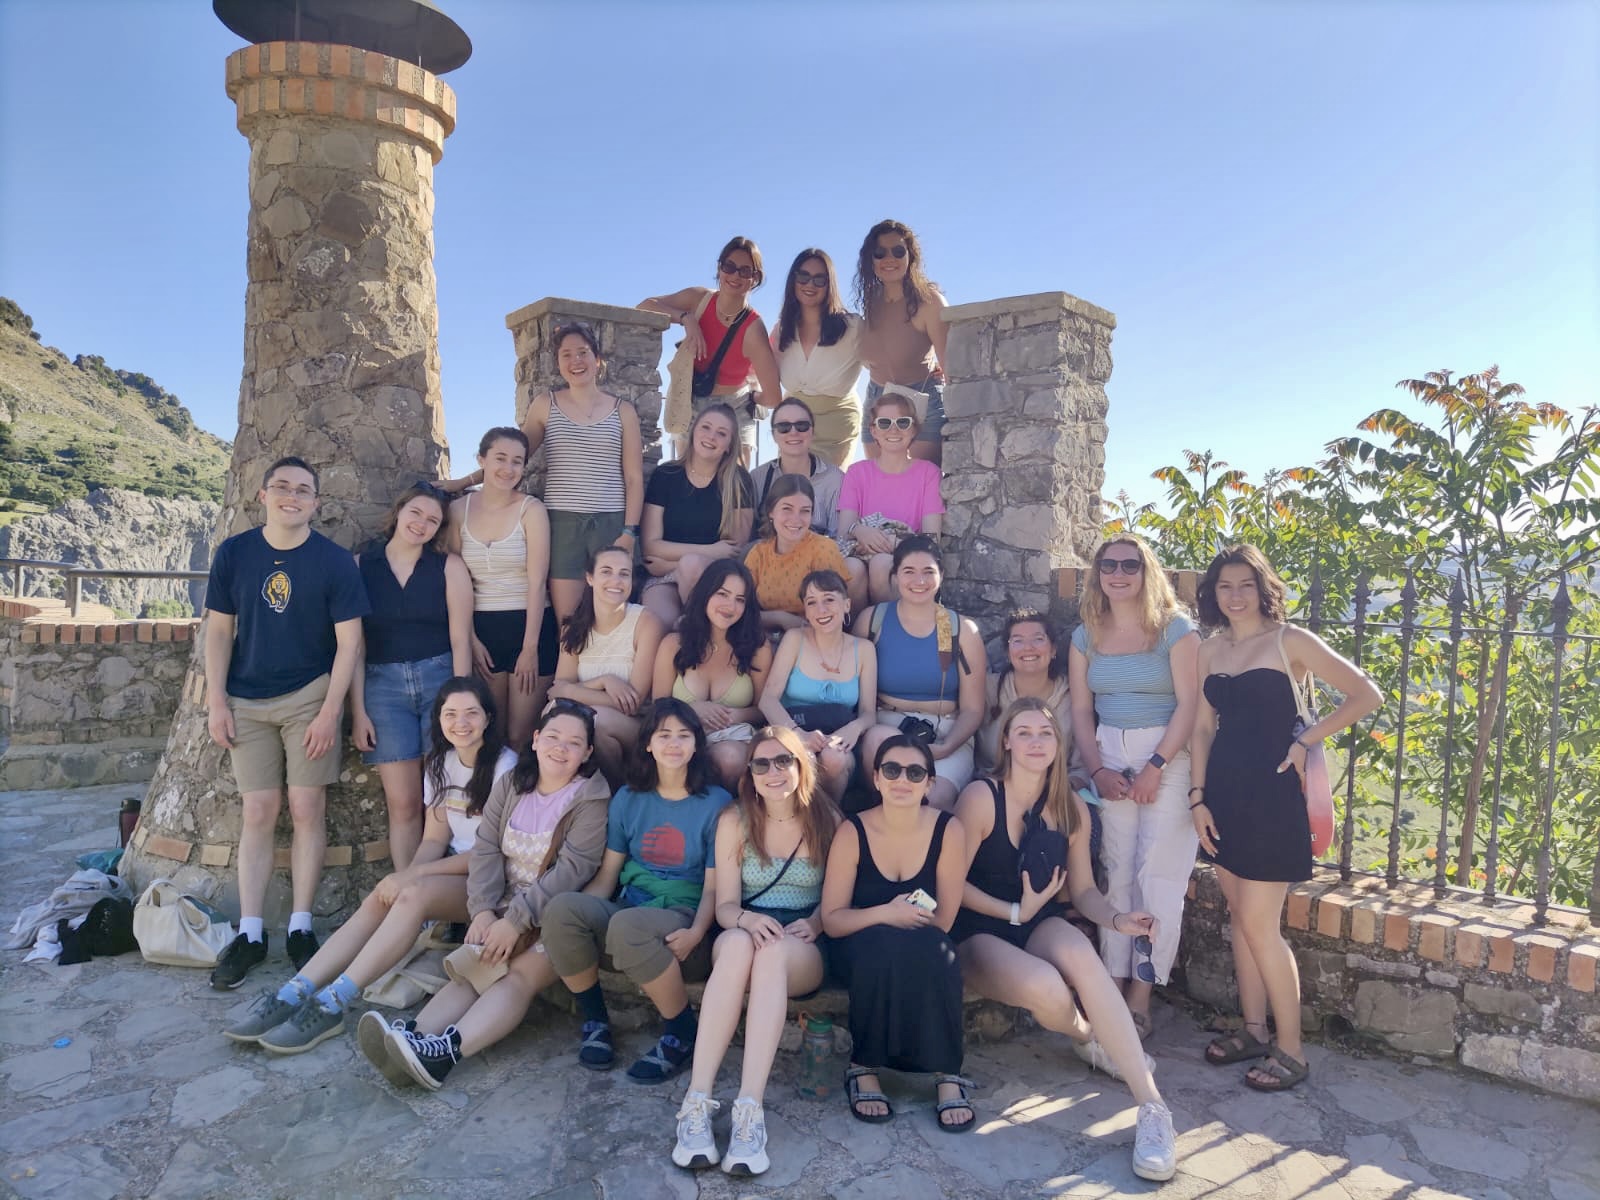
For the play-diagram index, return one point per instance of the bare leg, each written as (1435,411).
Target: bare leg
(835,768)
(663,601)
(502,1008)
(856,585)
(880,578)
(666,990)
(720,1005)
(402,791)
(522,710)
(927,449)
(1011,975)
(307,809)
(449,1004)
(1260,916)
(259,817)
(433,898)
(342,946)
(787,967)
(690,568)
(615,735)
(872,739)
(942,794)
(564,597)
(730,759)
(1252,988)
(499,688)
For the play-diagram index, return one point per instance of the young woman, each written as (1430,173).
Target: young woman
(893,945)
(697,510)
(712,318)
(771,848)
(818,346)
(902,340)
(608,656)
(892,486)
(1017,946)
(931,670)
(792,433)
(717,662)
(649,907)
(789,552)
(1132,669)
(541,834)
(418,635)
(824,681)
(1247,799)
(1035,667)
(504,538)
(593,465)
(465,759)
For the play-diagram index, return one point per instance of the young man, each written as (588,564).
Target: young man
(284,629)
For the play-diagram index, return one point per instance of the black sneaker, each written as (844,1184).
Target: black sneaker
(237,961)
(427,1057)
(302,945)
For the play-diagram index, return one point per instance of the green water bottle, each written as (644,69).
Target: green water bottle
(817,1066)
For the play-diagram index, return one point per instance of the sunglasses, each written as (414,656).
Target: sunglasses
(899,251)
(791,427)
(1144,969)
(807,279)
(1128,566)
(729,267)
(760,766)
(894,422)
(562,704)
(915,772)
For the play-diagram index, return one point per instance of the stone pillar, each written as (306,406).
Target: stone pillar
(630,344)
(1024,449)
(341,367)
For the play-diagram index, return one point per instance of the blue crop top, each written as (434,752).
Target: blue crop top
(908,667)
(801,689)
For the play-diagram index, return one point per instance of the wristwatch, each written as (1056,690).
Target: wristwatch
(1157,761)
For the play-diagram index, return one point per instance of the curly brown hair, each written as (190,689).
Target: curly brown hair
(1274,602)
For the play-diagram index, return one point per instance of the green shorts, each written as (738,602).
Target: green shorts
(574,536)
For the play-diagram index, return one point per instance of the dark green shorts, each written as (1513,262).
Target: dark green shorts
(575,536)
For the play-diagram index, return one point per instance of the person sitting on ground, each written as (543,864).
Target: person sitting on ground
(282,636)
(650,906)
(465,758)
(542,833)
(771,849)
(791,550)
(886,496)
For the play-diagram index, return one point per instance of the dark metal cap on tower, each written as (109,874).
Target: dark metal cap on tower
(413,31)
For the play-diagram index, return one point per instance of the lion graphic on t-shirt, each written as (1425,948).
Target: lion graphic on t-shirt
(275,591)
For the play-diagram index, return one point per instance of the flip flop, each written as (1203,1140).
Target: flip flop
(1235,1048)
(857,1095)
(944,1106)
(1284,1071)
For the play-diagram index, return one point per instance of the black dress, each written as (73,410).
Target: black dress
(997,870)
(1262,828)
(905,984)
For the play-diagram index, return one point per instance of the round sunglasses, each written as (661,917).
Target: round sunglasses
(915,772)
(760,766)
(898,250)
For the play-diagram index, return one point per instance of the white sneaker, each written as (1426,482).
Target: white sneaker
(696,1147)
(1093,1053)
(747,1147)
(1154,1154)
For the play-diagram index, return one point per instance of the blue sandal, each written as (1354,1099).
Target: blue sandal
(596,1051)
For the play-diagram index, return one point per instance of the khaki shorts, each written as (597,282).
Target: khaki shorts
(269,733)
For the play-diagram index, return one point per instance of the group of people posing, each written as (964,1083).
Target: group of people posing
(784,761)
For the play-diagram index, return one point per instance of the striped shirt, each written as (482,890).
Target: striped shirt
(583,463)
(1134,691)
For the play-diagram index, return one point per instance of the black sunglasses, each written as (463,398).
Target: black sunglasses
(899,251)
(760,766)
(915,772)
(1144,969)
(563,704)
(893,422)
(729,267)
(1128,566)
(791,427)
(807,279)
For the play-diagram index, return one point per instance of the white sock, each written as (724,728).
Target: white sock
(300,922)
(252,928)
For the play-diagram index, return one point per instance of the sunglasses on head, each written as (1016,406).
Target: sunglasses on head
(1144,969)
(1128,566)
(760,766)
(915,772)
(791,427)
(893,422)
(729,267)
(807,279)
(898,250)
(562,704)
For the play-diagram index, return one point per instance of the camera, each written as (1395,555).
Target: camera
(919,730)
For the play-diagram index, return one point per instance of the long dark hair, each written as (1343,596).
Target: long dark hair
(525,775)
(642,773)
(916,286)
(494,743)
(745,638)
(834,323)
(575,630)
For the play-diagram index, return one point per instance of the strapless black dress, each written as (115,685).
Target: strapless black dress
(1262,829)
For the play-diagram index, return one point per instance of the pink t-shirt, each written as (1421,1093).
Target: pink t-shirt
(909,497)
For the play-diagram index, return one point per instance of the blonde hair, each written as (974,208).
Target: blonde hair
(728,470)
(818,816)
(1058,788)
(1158,604)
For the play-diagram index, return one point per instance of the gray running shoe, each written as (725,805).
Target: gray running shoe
(266,1013)
(696,1147)
(310,1026)
(747,1147)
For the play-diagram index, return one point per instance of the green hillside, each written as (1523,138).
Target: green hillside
(70,425)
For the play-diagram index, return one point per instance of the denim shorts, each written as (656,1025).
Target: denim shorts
(399,699)
(931,426)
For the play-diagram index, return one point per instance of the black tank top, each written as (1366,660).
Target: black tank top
(407,624)
(997,865)
(872,888)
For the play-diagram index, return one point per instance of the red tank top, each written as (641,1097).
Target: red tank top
(735,368)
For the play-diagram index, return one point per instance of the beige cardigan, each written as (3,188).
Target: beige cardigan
(576,848)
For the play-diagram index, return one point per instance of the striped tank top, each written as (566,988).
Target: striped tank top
(499,569)
(583,463)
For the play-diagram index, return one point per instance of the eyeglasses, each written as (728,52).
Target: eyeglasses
(760,766)
(791,427)
(894,422)
(1128,566)
(915,772)
(562,704)
(898,250)
(807,279)
(729,267)
(1144,969)
(302,492)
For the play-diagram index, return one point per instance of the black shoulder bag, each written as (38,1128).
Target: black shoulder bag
(1043,851)
(705,382)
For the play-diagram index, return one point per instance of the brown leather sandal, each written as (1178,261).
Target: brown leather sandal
(1283,1071)
(1236,1047)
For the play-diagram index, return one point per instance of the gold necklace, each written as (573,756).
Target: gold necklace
(733,318)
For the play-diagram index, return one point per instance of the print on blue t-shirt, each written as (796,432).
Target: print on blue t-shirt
(673,839)
(285,604)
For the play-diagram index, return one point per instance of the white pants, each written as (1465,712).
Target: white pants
(1148,850)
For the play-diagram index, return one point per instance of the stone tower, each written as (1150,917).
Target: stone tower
(346,118)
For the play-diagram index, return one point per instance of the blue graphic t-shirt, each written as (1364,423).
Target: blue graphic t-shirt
(672,839)
(285,604)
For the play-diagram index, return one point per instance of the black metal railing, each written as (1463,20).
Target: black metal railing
(73,576)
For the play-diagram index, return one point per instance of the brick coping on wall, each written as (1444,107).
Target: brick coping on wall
(52,629)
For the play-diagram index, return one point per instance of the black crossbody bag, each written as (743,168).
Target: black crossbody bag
(705,382)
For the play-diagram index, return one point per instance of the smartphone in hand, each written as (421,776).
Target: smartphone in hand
(922,900)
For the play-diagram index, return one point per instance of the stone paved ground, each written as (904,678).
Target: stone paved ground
(150,1100)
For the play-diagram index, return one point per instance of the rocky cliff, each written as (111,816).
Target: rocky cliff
(125,531)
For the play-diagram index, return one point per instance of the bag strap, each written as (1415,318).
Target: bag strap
(783,870)
(1302,705)
(727,340)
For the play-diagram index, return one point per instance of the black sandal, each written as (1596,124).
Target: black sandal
(1236,1047)
(944,1106)
(857,1096)
(1283,1071)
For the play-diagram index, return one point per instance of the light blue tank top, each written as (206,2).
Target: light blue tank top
(800,689)
(1134,691)
(800,887)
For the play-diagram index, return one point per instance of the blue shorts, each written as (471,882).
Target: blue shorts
(931,427)
(399,699)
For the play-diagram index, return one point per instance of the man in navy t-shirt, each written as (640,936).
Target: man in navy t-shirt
(283,630)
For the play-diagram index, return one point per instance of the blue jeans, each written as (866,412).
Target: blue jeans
(399,699)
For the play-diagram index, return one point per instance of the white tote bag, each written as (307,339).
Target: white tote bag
(178,929)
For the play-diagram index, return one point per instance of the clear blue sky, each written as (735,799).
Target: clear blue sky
(1288,206)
